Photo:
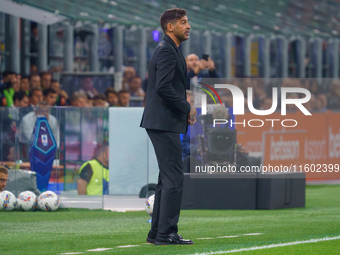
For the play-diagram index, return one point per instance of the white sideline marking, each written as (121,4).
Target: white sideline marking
(135,245)
(128,246)
(101,249)
(70,253)
(271,246)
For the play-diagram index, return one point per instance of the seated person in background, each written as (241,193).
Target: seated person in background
(99,101)
(35,81)
(45,80)
(87,87)
(13,86)
(35,96)
(3,178)
(79,99)
(5,84)
(50,96)
(10,152)
(20,99)
(135,89)
(129,72)
(111,97)
(24,84)
(28,122)
(9,121)
(94,174)
(123,98)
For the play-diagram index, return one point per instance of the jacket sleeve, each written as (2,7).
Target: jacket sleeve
(165,65)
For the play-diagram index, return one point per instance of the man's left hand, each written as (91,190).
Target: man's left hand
(192,116)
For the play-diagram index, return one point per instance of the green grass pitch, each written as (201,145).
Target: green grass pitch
(80,230)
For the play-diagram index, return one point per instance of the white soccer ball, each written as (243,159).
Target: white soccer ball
(27,201)
(48,201)
(149,204)
(8,201)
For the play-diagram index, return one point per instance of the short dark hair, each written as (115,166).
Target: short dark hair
(122,91)
(8,72)
(44,73)
(136,77)
(3,170)
(33,74)
(19,95)
(99,97)
(32,90)
(49,91)
(170,16)
(110,91)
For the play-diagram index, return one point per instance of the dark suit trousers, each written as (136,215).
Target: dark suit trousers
(168,197)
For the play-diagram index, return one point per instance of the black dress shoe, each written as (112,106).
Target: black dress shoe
(151,236)
(171,239)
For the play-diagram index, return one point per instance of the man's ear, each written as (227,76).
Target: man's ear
(170,27)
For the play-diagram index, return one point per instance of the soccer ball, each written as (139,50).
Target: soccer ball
(48,201)
(27,201)
(8,201)
(149,204)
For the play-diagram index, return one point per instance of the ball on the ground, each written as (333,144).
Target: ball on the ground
(149,204)
(48,201)
(8,201)
(27,201)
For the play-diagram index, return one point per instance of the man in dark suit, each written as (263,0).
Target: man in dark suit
(167,114)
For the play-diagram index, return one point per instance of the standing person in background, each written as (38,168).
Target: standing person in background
(167,114)
(62,98)
(28,122)
(204,68)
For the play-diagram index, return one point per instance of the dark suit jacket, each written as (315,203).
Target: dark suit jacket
(166,107)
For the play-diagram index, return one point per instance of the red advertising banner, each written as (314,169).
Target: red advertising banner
(309,144)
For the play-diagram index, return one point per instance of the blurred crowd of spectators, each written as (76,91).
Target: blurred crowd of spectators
(36,93)
(29,91)
(24,98)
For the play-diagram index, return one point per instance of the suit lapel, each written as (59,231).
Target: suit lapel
(183,62)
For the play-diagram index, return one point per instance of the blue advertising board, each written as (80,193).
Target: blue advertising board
(42,152)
